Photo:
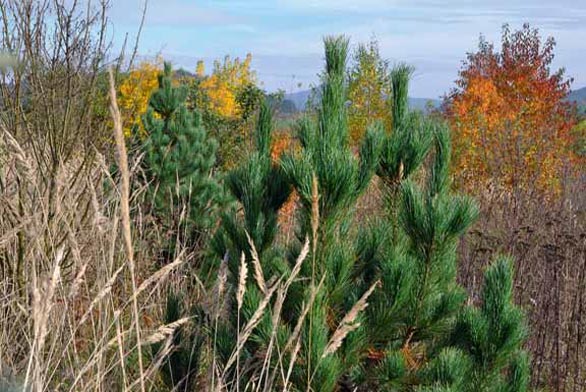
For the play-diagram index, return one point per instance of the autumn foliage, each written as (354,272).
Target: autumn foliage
(510,121)
(369,87)
(217,93)
(283,142)
(223,85)
(135,91)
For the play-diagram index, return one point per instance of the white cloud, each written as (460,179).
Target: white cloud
(285,36)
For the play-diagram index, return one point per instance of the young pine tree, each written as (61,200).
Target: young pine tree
(179,161)
(409,142)
(260,188)
(491,336)
(329,178)
(417,334)
(421,336)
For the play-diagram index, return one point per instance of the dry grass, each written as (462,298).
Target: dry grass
(125,215)
(548,241)
(72,308)
(83,294)
(348,323)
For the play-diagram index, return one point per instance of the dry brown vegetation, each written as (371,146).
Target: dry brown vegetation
(77,312)
(548,241)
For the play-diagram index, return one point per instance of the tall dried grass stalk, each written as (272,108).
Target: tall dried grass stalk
(258,274)
(42,308)
(164,331)
(348,323)
(298,263)
(314,211)
(242,276)
(160,275)
(295,338)
(250,326)
(275,320)
(125,212)
(120,346)
(241,290)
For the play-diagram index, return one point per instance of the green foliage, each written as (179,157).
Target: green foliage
(400,76)
(230,132)
(179,160)
(180,368)
(579,137)
(410,140)
(260,187)
(417,321)
(248,98)
(327,173)
(227,101)
(492,335)
(326,153)
(419,297)
(416,333)
(369,87)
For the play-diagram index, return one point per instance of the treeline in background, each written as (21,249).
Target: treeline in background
(176,230)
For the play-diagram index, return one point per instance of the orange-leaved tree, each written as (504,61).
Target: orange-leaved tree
(509,116)
(135,92)
(283,143)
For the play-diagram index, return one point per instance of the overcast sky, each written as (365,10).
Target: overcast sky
(285,36)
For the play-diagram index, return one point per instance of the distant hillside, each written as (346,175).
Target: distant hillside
(300,99)
(578,96)
(296,102)
(423,103)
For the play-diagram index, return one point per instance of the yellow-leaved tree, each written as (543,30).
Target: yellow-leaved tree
(368,90)
(135,91)
(227,99)
(222,86)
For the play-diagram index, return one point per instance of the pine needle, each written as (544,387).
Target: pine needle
(301,319)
